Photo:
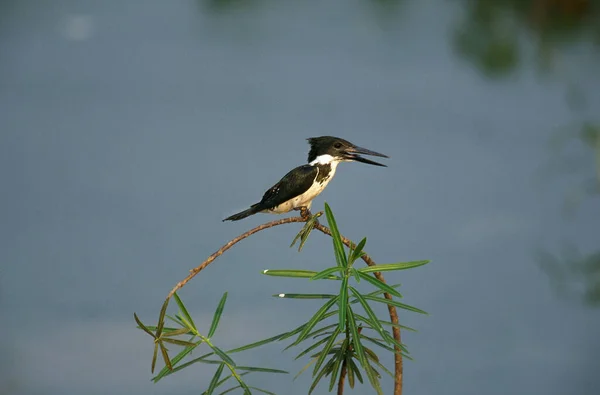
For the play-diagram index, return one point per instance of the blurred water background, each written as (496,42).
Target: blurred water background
(129,129)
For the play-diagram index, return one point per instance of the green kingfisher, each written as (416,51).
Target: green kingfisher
(297,189)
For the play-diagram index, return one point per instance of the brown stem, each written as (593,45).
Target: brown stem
(366,258)
(230,244)
(342,378)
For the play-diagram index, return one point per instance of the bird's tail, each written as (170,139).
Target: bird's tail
(255,208)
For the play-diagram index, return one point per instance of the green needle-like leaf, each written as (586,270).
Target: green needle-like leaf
(178,342)
(184,311)
(358,349)
(358,251)
(304,368)
(349,372)
(299,235)
(259,369)
(343,303)
(241,382)
(219,383)
(222,381)
(295,274)
(379,292)
(338,246)
(228,390)
(322,329)
(142,326)
(355,369)
(211,361)
(377,342)
(166,329)
(319,332)
(392,266)
(388,323)
(169,332)
(373,370)
(281,336)
(175,319)
(312,347)
(200,359)
(161,318)
(326,273)
(305,296)
(356,274)
(340,356)
(390,339)
(379,284)
(355,336)
(318,353)
(222,354)
(304,237)
(374,293)
(326,333)
(263,391)
(366,320)
(215,379)
(315,319)
(165,355)
(408,328)
(368,310)
(316,332)
(185,323)
(217,316)
(394,303)
(328,366)
(257,344)
(325,351)
(154,357)
(165,371)
(304,232)
(373,357)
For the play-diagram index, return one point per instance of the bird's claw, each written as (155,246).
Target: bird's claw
(304,212)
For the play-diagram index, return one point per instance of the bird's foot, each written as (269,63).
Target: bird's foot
(304,212)
(308,216)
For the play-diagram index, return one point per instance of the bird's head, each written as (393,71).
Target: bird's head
(326,149)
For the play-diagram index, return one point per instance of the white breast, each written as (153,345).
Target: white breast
(306,198)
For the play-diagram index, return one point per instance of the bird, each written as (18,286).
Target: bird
(297,189)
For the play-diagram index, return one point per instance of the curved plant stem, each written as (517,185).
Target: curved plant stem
(227,246)
(398,371)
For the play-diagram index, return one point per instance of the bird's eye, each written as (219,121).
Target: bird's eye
(338,145)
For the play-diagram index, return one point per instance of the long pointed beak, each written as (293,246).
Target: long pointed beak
(353,154)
